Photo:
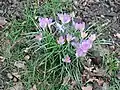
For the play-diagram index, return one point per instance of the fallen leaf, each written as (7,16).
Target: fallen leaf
(20,64)
(89,69)
(16,74)
(27,57)
(15,79)
(66,80)
(9,75)
(105,86)
(96,86)
(100,81)
(2,22)
(17,86)
(87,88)
(118,75)
(2,59)
(117,35)
(26,50)
(34,87)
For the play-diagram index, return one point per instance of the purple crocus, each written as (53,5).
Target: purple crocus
(61,40)
(43,22)
(92,37)
(80,53)
(79,26)
(69,38)
(49,21)
(65,18)
(67,59)
(83,34)
(83,47)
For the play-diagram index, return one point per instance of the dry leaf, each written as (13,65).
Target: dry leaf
(18,86)
(26,50)
(9,75)
(2,21)
(20,64)
(117,35)
(16,74)
(2,59)
(87,88)
(118,75)
(66,80)
(89,69)
(99,81)
(34,87)
(27,57)
(105,86)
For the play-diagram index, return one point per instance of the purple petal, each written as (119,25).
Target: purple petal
(64,18)
(43,22)
(85,45)
(83,48)
(49,21)
(79,26)
(61,40)
(80,53)
(69,37)
(92,37)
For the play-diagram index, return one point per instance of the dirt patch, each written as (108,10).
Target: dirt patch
(101,10)
(12,9)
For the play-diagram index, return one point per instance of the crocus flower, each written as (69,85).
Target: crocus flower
(64,18)
(79,26)
(49,21)
(67,59)
(83,34)
(69,37)
(80,53)
(92,37)
(43,22)
(38,37)
(61,40)
(83,47)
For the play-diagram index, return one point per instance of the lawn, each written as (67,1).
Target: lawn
(54,48)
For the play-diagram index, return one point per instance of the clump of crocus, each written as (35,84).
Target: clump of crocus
(38,37)
(43,22)
(61,40)
(69,38)
(79,25)
(64,18)
(66,59)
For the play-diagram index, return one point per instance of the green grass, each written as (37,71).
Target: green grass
(45,67)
